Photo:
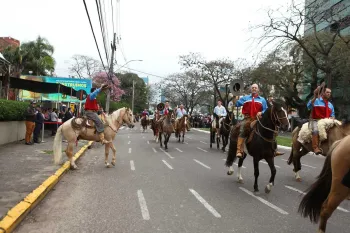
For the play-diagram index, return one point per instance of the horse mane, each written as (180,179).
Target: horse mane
(115,115)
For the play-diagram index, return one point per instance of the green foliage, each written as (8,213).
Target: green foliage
(12,110)
(101,99)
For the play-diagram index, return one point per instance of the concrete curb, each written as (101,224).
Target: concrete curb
(280,147)
(22,209)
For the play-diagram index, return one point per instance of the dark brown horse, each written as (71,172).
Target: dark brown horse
(144,123)
(166,128)
(325,195)
(299,150)
(262,144)
(181,127)
(225,129)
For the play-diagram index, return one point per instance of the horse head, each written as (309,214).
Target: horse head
(279,114)
(128,118)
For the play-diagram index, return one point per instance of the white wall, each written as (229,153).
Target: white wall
(11,131)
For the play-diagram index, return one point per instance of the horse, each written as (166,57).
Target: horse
(144,123)
(298,150)
(325,195)
(215,131)
(225,129)
(181,127)
(154,127)
(166,128)
(261,143)
(78,128)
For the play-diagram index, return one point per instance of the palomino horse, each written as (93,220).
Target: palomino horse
(78,128)
(166,129)
(144,123)
(181,127)
(299,150)
(261,142)
(325,195)
(215,131)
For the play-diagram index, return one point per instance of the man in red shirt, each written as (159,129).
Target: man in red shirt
(91,108)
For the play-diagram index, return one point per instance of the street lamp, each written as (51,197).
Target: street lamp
(127,63)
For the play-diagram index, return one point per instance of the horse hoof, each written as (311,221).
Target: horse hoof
(298,179)
(256,192)
(240,180)
(89,147)
(108,165)
(113,163)
(74,167)
(230,173)
(267,190)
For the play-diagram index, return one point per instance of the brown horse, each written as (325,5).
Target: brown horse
(155,127)
(76,128)
(144,123)
(166,128)
(328,192)
(299,150)
(181,127)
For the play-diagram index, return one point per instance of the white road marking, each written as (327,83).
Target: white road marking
(201,163)
(167,153)
(267,163)
(186,143)
(128,136)
(302,164)
(155,151)
(301,192)
(143,205)
(132,165)
(178,150)
(129,142)
(147,142)
(143,136)
(129,150)
(121,127)
(201,149)
(189,138)
(264,201)
(205,203)
(237,165)
(203,142)
(167,164)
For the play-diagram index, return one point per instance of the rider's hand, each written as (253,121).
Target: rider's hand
(104,86)
(316,91)
(259,114)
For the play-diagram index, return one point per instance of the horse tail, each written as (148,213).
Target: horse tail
(295,131)
(57,146)
(231,154)
(310,206)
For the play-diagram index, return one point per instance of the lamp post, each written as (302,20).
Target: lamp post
(127,63)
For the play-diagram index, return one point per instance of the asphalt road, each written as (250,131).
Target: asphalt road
(183,190)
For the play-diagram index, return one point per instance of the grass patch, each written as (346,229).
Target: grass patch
(205,129)
(284,141)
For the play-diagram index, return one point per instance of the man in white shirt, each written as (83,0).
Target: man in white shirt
(220,111)
(179,113)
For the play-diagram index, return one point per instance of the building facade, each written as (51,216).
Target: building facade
(330,16)
(8,41)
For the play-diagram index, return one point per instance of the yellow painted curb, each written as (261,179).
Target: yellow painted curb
(17,213)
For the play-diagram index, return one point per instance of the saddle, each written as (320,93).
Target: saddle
(86,123)
(249,127)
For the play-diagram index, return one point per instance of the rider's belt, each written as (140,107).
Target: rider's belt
(90,110)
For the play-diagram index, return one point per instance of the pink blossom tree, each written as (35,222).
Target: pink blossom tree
(102,77)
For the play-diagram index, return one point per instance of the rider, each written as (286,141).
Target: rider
(145,114)
(179,113)
(253,106)
(164,112)
(220,111)
(91,109)
(319,111)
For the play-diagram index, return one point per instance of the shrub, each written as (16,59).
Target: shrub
(11,110)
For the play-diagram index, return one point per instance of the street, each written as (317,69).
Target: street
(185,189)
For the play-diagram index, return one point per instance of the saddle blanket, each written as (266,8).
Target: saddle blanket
(305,134)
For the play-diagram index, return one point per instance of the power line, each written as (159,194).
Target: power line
(98,6)
(93,33)
(144,72)
(105,27)
(112,16)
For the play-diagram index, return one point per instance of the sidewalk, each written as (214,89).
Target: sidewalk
(23,168)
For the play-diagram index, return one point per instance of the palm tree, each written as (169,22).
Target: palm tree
(37,56)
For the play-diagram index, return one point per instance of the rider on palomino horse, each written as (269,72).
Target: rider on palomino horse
(179,113)
(253,106)
(91,109)
(145,114)
(220,111)
(319,111)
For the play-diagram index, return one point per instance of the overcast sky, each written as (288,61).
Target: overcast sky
(156,31)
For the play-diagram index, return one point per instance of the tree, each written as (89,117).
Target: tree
(85,66)
(37,57)
(116,91)
(186,88)
(140,94)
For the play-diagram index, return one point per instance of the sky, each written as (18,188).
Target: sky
(154,31)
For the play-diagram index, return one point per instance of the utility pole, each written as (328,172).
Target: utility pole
(110,74)
(133,96)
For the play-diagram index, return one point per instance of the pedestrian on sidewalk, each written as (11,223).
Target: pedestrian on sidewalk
(54,118)
(39,120)
(30,122)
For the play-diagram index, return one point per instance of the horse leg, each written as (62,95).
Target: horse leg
(297,163)
(217,139)
(160,139)
(166,139)
(183,135)
(271,164)
(107,146)
(114,158)
(240,164)
(332,202)
(69,153)
(256,175)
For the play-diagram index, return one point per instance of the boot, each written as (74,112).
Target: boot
(240,144)
(277,153)
(315,141)
(102,138)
